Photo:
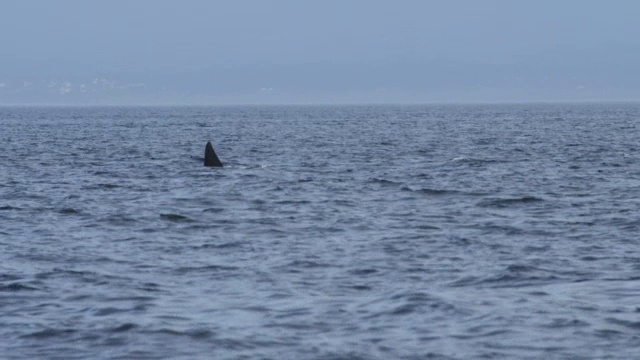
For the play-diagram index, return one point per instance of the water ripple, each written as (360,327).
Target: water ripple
(334,232)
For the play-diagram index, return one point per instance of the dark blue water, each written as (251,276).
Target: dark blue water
(333,232)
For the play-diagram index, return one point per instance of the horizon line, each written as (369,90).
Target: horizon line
(510,102)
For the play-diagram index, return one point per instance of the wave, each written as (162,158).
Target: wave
(516,275)
(69,211)
(206,268)
(383,182)
(48,333)
(507,202)
(429,191)
(473,161)
(176,218)
(16,287)
(8,207)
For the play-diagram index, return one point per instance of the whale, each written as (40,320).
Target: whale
(210,157)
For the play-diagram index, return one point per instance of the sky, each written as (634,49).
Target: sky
(331,51)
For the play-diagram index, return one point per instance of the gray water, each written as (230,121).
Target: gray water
(332,232)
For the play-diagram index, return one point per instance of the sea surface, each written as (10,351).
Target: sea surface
(332,232)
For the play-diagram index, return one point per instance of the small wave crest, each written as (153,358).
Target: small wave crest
(8,207)
(508,202)
(384,182)
(49,333)
(175,218)
(515,275)
(472,161)
(429,191)
(206,269)
(16,287)
(68,211)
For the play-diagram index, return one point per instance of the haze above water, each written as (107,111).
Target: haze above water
(204,52)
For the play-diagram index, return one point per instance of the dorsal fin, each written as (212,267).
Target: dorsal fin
(210,157)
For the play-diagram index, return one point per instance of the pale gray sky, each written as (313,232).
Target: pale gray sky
(297,51)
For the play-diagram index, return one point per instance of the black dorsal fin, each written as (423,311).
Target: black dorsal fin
(210,157)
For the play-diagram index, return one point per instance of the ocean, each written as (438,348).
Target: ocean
(497,231)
